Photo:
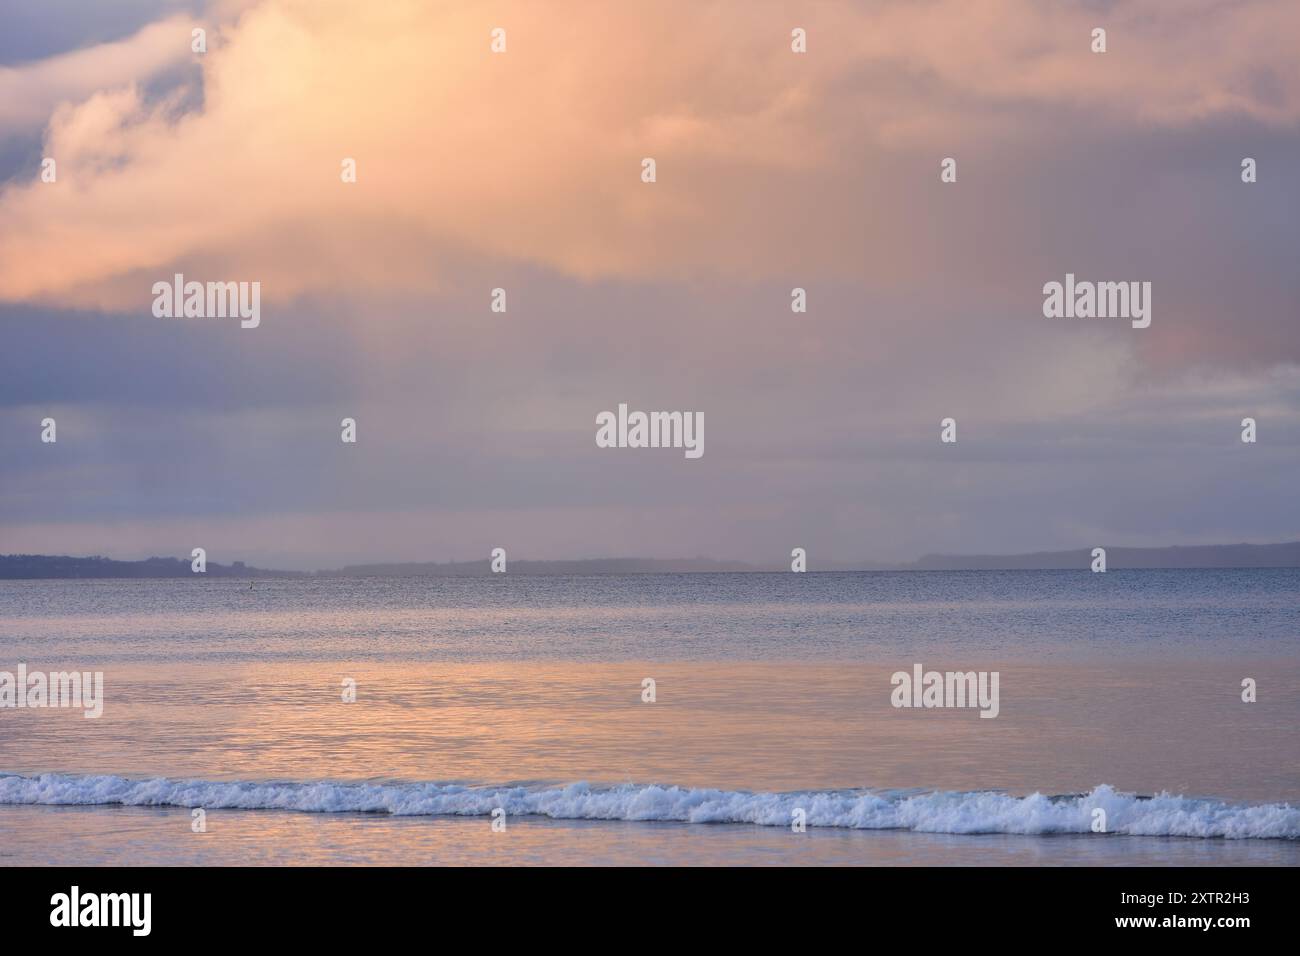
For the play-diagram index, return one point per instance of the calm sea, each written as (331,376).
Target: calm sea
(522,700)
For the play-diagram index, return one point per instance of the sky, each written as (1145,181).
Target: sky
(522,170)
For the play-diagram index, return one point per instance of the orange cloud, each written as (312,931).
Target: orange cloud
(29,94)
(534,155)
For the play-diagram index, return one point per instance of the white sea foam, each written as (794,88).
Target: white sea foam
(932,812)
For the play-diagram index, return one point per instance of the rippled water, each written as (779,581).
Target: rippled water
(766,685)
(749,617)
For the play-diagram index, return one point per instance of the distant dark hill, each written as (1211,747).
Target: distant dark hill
(1193,556)
(16,566)
(1200,556)
(580,567)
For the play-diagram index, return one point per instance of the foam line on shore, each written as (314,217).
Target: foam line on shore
(974,812)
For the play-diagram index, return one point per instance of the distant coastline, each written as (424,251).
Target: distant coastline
(34,566)
(1283,555)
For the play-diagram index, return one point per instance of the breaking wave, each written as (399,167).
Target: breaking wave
(927,812)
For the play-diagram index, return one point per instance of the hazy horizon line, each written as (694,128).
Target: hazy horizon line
(1237,555)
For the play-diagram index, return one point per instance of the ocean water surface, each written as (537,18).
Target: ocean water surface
(1117,691)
